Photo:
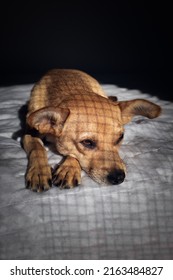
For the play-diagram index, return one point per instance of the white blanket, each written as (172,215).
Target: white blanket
(133,220)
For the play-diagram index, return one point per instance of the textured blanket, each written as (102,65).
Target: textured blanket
(133,220)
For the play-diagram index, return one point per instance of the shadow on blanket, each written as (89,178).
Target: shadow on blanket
(22,117)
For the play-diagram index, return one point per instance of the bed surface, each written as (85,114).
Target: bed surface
(133,220)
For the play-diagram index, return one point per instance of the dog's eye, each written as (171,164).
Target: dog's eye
(88,143)
(120,139)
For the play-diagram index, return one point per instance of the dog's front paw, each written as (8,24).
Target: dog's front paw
(68,174)
(38,178)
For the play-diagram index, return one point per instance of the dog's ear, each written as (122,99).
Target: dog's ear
(142,107)
(48,120)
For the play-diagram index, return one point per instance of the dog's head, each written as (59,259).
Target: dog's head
(90,128)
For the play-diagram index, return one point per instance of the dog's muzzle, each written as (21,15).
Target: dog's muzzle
(116,177)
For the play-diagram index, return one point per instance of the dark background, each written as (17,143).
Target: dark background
(123,42)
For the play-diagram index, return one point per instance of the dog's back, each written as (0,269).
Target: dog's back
(60,84)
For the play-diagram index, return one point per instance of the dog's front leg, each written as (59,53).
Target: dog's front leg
(68,174)
(38,175)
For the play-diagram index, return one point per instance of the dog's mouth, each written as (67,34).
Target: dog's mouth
(114,177)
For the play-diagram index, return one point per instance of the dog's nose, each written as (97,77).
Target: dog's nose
(116,177)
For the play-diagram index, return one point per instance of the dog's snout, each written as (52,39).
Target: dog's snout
(116,177)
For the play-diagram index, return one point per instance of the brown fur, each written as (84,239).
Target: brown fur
(86,126)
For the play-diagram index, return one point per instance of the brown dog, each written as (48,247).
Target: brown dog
(72,110)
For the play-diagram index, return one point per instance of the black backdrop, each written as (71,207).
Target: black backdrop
(124,42)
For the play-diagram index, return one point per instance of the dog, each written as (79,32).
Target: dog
(86,127)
